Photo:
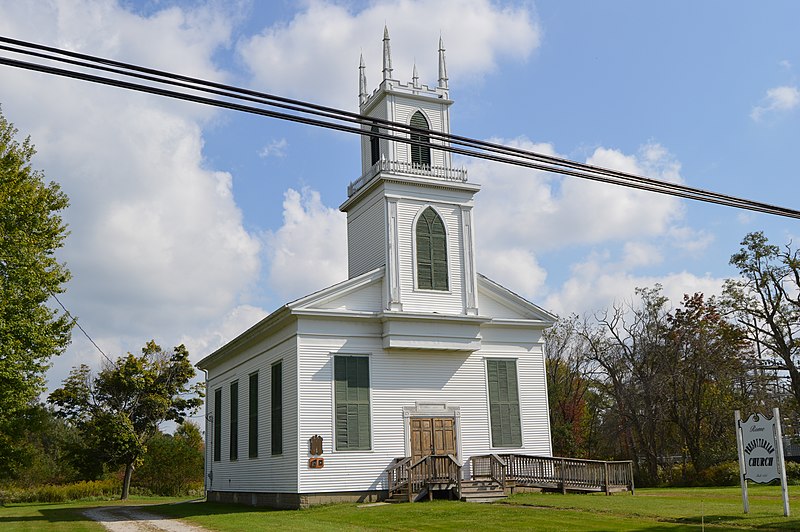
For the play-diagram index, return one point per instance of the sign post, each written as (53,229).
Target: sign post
(760,446)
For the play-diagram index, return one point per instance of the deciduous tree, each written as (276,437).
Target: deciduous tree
(706,354)
(121,408)
(31,331)
(765,300)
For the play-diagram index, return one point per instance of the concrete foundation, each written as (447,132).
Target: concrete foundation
(293,501)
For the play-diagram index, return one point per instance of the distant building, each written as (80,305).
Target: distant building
(415,354)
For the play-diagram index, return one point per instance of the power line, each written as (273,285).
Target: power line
(76,322)
(349,122)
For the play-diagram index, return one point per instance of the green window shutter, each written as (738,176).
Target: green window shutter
(252,418)
(217,422)
(276,423)
(234,436)
(504,413)
(351,394)
(431,252)
(420,153)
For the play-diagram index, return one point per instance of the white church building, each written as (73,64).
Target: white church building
(416,354)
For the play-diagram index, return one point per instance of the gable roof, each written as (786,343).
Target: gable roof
(362,297)
(507,305)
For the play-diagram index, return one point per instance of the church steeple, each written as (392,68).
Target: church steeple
(387,55)
(410,211)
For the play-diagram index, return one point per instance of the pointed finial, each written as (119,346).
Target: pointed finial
(362,81)
(442,66)
(387,55)
(415,77)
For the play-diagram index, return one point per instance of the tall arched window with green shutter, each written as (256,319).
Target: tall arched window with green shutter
(431,251)
(420,153)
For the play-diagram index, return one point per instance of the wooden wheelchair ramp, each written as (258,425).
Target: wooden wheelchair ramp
(554,473)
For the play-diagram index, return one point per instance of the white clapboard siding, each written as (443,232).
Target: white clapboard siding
(450,302)
(397,380)
(266,473)
(366,237)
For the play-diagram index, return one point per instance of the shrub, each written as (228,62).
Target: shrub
(173,465)
(62,493)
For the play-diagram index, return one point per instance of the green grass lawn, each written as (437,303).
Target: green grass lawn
(649,509)
(63,516)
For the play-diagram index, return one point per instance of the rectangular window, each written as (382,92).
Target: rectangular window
(234,448)
(504,403)
(252,418)
(351,391)
(217,422)
(276,394)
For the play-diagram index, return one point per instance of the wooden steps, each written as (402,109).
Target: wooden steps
(481,491)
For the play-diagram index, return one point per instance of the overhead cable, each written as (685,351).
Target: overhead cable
(331,118)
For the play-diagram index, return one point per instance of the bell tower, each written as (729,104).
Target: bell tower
(410,211)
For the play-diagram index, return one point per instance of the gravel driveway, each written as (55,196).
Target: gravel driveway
(135,519)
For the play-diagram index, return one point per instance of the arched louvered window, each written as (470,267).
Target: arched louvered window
(431,252)
(420,153)
(374,146)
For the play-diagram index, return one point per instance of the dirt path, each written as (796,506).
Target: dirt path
(135,519)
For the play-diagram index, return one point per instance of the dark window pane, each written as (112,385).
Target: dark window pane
(252,418)
(234,439)
(217,422)
(276,423)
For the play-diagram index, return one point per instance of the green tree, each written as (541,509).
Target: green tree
(31,332)
(173,464)
(765,301)
(120,409)
(707,355)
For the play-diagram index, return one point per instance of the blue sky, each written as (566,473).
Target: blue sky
(189,224)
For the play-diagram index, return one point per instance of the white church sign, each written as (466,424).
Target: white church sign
(761,453)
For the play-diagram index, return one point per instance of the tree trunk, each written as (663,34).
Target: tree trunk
(126,481)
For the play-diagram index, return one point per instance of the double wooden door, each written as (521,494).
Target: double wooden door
(432,435)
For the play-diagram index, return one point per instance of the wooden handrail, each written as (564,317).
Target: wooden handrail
(569,473)
(489,466)
(398,476)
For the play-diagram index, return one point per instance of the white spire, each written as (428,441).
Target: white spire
(442,66)
(362,81)
(415,77)
(387,55)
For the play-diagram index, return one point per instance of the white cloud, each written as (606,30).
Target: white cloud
(689,239)
(551,211)
(778,99)
(235,322)
(275,148)
(312,56)
(598,282)
(524,211)
(518,268)
(309,251)
(157,246)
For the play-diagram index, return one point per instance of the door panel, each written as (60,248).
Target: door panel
(432,436)
(421,438)
(444,436)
